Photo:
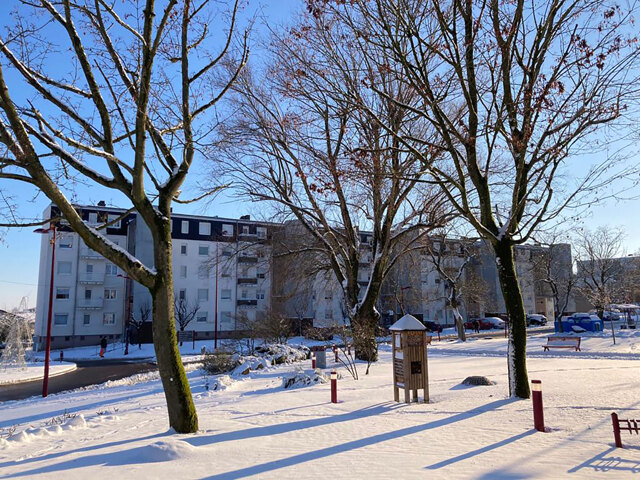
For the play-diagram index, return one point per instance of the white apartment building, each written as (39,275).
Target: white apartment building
(220,265)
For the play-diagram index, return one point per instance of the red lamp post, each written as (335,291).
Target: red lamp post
(215,315)
(45,381)
(127,310)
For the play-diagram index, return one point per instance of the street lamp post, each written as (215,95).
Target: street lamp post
(215,315)
(127,310)
(47,351)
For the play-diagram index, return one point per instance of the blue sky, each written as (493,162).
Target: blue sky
(20,248)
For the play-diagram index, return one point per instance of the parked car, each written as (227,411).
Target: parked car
(432,326)
(486,323)
(536,319)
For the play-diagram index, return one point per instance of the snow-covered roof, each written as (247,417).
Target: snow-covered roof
(408,322)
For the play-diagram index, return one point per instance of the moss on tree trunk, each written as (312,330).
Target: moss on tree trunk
(517,346)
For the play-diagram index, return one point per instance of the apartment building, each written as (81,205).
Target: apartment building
(221,266)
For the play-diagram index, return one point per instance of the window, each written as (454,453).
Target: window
(202,317)
(87,294)
(93,218)
(260,253)
(261,232)
(183,249)
(225,318)
(328,295)
(109,319)
(245,230)
(182,294)
(110,269)
(225,294)
(227,230)
(260,295)
(184,228)
(65,243)
(183,271)
(89,268)
(245,294)
(111,218)
(203,250)
(62,294)
(260,274)
(328,314)
(203,272)
(244,273)
(204,228)
(226,252)
(110,293)
(225,272)
(60,319)
(86,319)
(64,268)
(203,294)
(437,281)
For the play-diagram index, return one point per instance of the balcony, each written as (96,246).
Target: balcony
(247,303)
(247,259)
(91,278)
(90,303)
(86,252)
(247,281)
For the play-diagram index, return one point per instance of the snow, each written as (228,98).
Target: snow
(33,371)
(408,322)
(254,428)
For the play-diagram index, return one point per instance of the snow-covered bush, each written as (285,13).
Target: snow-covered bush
(219,362)
(280,353)
(303,379)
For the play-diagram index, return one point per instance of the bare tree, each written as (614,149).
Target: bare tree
(513,88)
(296,142)
(185,312)
(144,314)
(127,112)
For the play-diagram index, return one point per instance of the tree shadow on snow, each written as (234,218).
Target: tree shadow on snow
(340,448)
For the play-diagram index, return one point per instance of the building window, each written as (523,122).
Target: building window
(227,230)
(110,293)
(87,294)
(203,272)
(111,218)
(65,243)
(225,318)
(64,268)
(93,218)
(202,316)
(86,319)
(184,228)
(261,232)
(437,281)
(260,295)
(62,293)
(225,272)
(245,230)
(110,269)
(89,268)
(204,228)
(203,294)
(260,253)
(328,314)
(226,252)
(183,271)
(328,295)
(60,319)
(109,319)
(225,294)
(260,274)
(244,273)
(203,250)
(245,294)
(182,294)
(183,249)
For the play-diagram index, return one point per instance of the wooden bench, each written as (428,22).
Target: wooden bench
(632,426)
(562,342)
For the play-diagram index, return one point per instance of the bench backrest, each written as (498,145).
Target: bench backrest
(563,341)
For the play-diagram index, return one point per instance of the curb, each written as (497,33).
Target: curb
(34,379)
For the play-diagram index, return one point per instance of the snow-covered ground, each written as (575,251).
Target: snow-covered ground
(253,428)
(33,371)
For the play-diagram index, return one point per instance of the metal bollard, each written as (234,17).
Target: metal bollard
(334,387)
(313,361)
(538,414)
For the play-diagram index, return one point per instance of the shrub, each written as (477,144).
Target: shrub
(319,334)
(219,362)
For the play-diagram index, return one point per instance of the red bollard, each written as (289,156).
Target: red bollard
(538,414)
(616,430)
(334,387)
(438,335)
(335,352)
(313,361)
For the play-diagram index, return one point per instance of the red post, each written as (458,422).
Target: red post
(47,350)
(616,430)
(335,353)
(538,414)
(215,315)
(313,361)
(334,387)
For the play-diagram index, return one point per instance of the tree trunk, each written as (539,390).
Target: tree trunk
(364,325)
(462,334)
(517,342)
(182,411)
